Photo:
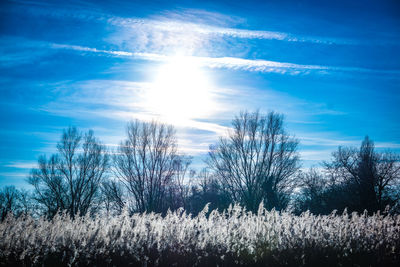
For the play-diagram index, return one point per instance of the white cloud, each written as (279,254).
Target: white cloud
(320,141)
(390,145)
(14,174)
(190,22)
(256,65)
(211,62)
(315,155)
(199,22)
(21,164)
(89,49)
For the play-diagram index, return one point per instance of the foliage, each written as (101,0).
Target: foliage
(230,238)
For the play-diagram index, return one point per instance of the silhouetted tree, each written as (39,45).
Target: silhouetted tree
(207,191)
(321,195)
(147,163)
(179,190)
(370,177)
(257,161)
(8,201)
(113,196)
(312,184)
(15,201)
(70,180)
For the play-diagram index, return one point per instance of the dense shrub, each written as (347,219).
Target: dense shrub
(234,237)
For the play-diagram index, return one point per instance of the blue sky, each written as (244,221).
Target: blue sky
(332,68)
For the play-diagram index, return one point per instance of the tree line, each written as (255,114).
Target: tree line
(257,161)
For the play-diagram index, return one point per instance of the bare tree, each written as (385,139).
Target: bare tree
(312,185)
(257,160)
(8,201)
(183,180)
(70,180)
(370,176)
(14,201)
(113,196)
(205,179)
(25,203)
(146,163)
(207,190)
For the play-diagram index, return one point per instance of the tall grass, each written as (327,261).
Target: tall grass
(233,237)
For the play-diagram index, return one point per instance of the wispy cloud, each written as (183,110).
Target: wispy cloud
(332,141)
(315,155)
(329,142)
(188,21)
(94,50)
(21,164)
(13,175)
(204,29)
(257,65)
(119,100)
(389,145)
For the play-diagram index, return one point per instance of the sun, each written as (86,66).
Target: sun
(180,91)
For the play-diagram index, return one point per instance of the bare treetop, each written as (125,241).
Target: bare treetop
(146,163)
(70,180)
(371,175)
(257,160)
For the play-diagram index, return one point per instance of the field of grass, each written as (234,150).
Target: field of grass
(232,238)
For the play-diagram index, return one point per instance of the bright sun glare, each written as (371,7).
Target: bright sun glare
(181,91)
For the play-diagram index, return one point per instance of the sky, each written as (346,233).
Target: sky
(331,67)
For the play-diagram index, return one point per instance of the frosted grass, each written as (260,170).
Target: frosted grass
(233,237)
